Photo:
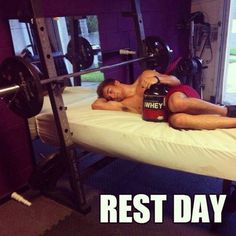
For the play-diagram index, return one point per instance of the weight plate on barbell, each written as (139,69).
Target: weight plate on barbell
(28,100)
(161,52)
(84,56)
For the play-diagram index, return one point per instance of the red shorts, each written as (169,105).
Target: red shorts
(186,89)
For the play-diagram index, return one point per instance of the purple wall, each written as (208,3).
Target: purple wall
(160,18)
(5,41)
(15,152)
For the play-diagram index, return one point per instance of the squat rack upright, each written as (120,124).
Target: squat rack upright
(67,148)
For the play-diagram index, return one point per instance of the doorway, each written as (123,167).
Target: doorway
(229,51)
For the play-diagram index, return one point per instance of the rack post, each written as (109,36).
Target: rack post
(139,29)
(59,110)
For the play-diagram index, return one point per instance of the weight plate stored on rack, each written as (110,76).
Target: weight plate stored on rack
(85,54)
(28,100)
(161,51)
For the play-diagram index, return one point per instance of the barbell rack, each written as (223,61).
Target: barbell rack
(22,88)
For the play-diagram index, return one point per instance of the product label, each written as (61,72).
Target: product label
(154,110)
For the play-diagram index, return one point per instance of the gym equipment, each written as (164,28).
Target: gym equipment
(21,87)
(85,53)
(155,45)
(189,66)
(154,103)
(25,98)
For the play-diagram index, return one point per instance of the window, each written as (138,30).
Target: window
(60,32)
(229,64)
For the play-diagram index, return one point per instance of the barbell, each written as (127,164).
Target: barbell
(21,87)
(84,56)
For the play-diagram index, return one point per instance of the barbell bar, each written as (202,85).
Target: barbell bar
(15,88)
(87,71)
(9,90)
(21,87)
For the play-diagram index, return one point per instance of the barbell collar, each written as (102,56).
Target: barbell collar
(9,90)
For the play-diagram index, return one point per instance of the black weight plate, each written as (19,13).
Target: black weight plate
(28,100)
(189,66)
(161,52)
(85,55)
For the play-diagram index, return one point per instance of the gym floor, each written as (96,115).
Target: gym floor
(47,217)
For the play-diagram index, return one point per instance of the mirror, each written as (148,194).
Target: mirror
(74,42)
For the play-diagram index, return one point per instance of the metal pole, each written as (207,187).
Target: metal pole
(59,110)
(15,88)
(9,90)
(62,77)
(139,29)
(74,32)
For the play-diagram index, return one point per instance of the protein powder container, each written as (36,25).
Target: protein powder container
(154,107)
